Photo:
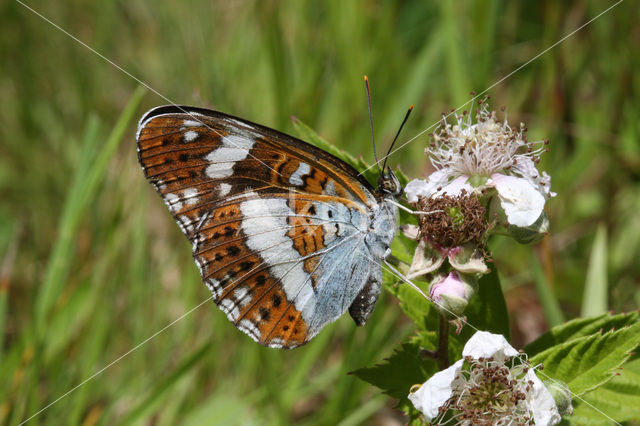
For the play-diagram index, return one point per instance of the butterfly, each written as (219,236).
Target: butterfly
(287,237)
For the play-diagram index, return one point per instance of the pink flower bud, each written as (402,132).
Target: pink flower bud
(451,293)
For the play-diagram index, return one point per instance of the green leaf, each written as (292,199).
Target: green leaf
(487,311)
(618,399)
(405,368)
(595,290)
(587,362)
(402,248)
(579,327)
(420,310)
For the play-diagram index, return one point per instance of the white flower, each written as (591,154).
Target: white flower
(474,156)
(492,384)
(436,391)
(521,201)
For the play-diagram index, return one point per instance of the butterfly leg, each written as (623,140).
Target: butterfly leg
(408,210)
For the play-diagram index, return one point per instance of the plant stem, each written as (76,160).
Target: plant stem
(442,353)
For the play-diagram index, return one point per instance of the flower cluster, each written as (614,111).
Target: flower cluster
(485,181)
(488,154)
(492,385)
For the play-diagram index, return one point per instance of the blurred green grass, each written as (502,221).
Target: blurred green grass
(92,265)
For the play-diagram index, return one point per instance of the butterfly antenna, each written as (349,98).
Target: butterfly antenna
(406,117)
(375,154)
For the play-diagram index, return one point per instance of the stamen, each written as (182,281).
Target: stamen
(483,148)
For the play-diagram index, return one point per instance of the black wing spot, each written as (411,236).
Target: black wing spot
(229,231)
(245,266)
(265,314)
(260,281)
(233,250)
(312,210)
(184,157)
(277,300)
(329,213)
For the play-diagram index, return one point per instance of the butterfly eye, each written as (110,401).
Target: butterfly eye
(389,183)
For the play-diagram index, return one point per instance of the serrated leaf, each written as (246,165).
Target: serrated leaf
(405,368)
(618,399)
(588,362)
(580,327)
(420,310)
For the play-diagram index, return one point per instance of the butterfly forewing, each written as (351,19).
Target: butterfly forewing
(276,224)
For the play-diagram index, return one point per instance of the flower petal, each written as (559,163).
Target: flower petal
(455,187)
(541,403)
(440,177)
(526,168)
(521,201)
(486,345)
(429,187)
(426,259)
(416,188)
(435,391)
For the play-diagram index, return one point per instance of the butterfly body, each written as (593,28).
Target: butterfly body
(286,236)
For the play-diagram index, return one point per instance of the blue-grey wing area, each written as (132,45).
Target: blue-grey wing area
(341,276)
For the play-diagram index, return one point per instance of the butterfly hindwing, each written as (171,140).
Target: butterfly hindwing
(277,225)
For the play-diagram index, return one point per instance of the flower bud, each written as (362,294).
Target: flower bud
(451,293)
(561,395)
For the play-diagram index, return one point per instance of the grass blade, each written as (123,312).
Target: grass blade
(595,299)
(86,183)
(548,300)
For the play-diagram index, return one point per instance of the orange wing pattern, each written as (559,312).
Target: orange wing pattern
(275,223)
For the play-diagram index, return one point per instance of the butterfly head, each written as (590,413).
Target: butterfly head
(388,184)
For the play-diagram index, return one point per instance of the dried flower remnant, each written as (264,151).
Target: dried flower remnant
(455,232)
(456,220)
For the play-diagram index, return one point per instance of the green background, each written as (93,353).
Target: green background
(91,263)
